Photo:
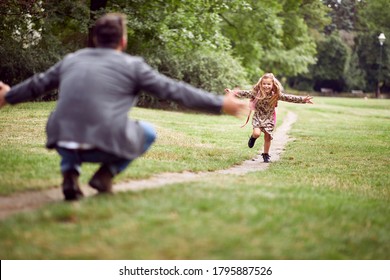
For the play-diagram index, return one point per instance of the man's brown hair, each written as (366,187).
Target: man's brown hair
(108,30)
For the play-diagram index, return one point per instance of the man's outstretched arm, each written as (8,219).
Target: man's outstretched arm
(4,88)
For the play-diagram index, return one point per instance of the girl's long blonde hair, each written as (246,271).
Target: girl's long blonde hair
(277,87)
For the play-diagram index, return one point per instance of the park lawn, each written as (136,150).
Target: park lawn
(327,198)
(185,142)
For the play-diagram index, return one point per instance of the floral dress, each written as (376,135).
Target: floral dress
(264,116)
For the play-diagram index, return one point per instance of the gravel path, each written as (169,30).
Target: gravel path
(27,201)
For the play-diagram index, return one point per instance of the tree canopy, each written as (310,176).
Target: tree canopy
(209,43)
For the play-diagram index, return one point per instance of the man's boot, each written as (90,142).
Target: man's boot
(102,180)
(70,185)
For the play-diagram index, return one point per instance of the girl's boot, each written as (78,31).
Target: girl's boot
(266,157)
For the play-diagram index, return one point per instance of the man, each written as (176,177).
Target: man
(97,88)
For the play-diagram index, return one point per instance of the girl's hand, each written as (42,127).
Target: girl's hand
(308,99)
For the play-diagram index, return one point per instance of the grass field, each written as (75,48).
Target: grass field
(327,198)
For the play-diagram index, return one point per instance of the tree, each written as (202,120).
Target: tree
(329,70)
(273,36)
(343,14)
(94,8)
(355,76)
(373,19)
(157,30)
(35,34)
(357,24)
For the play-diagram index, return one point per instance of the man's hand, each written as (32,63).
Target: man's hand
(4,88)
(233,106)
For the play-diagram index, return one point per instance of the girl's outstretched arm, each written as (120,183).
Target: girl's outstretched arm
(308,99)
(228,90)
(295,98)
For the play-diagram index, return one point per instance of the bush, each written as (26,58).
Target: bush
(206,69)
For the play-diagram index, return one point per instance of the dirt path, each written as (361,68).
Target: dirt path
(27,201)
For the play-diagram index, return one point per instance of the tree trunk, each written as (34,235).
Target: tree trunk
(95,6)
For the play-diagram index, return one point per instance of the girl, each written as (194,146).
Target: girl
(263,99)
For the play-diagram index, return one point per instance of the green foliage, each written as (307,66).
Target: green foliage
(343,14)
(328,72)
(373,15)
(282,37)
(270,37)
(368,51)
(183,40)
(203,68)
(357,24)
(179,26)
(315,14)
(180,38)
(354,75)
(208,69)
(35,35)
(373,20)
(332,55)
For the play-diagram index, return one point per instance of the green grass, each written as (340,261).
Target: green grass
(186,142)
(327,198)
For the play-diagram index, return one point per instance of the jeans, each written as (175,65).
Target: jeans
(72,159)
